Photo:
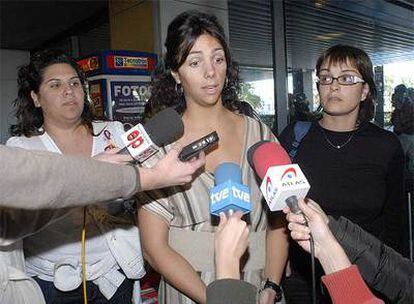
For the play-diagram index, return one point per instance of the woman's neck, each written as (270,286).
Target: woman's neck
(62,130)
(338,123)
(73,139)
(204,119)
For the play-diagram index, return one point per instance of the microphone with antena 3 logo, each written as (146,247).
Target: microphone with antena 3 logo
(283,183)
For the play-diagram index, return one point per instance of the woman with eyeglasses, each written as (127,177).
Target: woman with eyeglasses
(53,114)
(355,168)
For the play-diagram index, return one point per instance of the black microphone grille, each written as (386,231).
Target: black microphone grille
(165,127)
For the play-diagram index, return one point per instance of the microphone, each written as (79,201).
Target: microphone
(229,192)
(283,183)
(143,141)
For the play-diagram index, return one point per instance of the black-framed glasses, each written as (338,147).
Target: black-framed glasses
(342,79)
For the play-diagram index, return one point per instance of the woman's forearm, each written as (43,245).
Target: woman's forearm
(333,258)
(179,273)
(277,246)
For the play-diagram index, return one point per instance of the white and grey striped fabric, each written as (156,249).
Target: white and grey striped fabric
(188,207)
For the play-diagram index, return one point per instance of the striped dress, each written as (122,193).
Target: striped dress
(186,209)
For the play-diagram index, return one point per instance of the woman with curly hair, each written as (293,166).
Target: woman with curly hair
(201,81)
(53,114)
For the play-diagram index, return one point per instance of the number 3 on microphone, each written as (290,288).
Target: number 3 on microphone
(135,139)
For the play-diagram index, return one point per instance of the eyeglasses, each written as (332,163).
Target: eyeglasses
(342,80)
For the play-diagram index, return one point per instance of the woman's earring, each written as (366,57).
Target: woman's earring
(179,89)
(226,82)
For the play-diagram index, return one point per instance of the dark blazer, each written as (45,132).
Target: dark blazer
(382,268)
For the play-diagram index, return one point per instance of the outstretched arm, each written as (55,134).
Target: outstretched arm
(45,181)
(327,249)
(384,269)
(343,280)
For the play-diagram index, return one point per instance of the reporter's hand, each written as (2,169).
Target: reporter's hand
(230,241)
(112,156)
(327,249)
(317,225)
(170,171)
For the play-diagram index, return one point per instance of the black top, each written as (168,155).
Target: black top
(362,181)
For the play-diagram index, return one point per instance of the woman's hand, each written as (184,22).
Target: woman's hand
(112,156)
(317,225)
(230,243)
(170,171)
(327,249)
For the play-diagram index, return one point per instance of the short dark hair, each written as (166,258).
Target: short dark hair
(345,54)
(30,77)
(183,32)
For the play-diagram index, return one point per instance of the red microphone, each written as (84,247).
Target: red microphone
(283,183)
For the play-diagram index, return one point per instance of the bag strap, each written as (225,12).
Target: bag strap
(300,130)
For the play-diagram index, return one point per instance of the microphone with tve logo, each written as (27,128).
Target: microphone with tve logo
(283,183)
(143,141)
(229,192)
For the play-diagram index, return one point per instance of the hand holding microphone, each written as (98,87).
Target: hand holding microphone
(144,141)
(327,249)
(230,242)
(312,221)
(170,171)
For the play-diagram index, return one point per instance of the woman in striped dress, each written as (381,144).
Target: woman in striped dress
(201,81)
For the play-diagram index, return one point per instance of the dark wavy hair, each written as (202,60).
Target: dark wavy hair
(345,54)
(182,34)
(30,77)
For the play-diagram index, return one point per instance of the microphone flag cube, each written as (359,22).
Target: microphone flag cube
(229,192)
(138,143)
(229,195)
(281,182)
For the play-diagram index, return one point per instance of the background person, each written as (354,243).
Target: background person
(53,114)
(397,100)
(406,137)
(201,82)
(403,120)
